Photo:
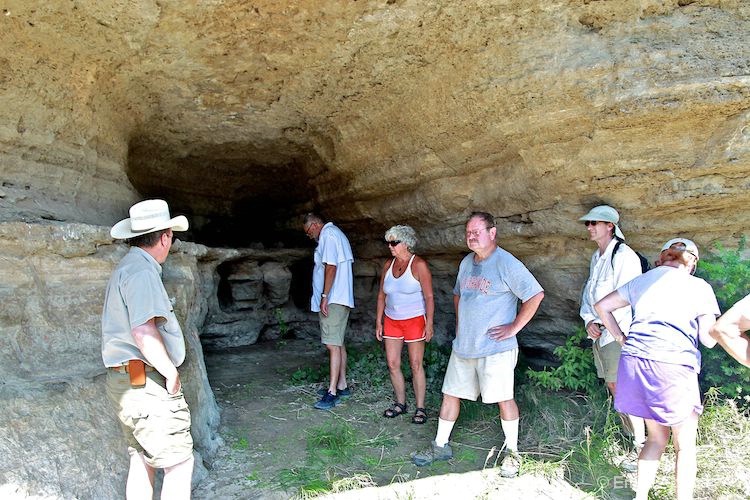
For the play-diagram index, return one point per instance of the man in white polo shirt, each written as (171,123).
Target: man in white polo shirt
(332,298)
(142,346)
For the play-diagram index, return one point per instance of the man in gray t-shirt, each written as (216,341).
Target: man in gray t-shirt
(142,346)
(489,286)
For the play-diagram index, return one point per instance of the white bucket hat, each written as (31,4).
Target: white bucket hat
(146,217)
(607,214)
(690,246)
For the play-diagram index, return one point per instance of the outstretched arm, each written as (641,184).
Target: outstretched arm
(729,331)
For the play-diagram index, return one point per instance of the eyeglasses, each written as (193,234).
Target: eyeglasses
(392,243)
(476,232)
(588,223)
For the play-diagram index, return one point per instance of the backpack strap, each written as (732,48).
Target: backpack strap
(614,251)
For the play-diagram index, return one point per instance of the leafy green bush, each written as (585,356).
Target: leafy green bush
(729,274)
(576,371)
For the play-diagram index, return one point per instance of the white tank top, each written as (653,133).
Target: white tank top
(403,295)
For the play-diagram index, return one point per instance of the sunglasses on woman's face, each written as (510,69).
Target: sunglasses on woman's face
(392,243)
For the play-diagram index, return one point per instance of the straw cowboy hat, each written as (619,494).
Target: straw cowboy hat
(146,217)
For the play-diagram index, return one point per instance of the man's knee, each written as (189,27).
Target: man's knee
(508,409)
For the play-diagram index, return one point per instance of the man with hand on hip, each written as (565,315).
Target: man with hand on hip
(142,346)
(489,285)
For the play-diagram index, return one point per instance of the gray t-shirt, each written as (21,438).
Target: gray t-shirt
(135,294)
(488,296)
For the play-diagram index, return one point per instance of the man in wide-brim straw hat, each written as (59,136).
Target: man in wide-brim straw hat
(142,346)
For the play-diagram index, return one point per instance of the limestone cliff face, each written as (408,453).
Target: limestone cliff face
(245,115)
(380,112)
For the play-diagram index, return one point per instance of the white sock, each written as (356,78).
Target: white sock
(444,431)
(510,429)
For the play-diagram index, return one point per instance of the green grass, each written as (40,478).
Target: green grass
(338,457)
(563,434)
(240,444)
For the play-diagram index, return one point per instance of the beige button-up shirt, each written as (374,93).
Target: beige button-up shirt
(135,294)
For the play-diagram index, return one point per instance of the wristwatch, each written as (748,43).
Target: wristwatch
(324,295)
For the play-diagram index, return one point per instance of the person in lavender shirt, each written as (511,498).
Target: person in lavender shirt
(657,377)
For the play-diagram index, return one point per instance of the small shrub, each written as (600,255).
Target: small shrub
(435,364)
(367,366)
(576,372)
(283,326)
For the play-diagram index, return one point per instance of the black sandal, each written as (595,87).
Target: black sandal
(395,410)
(420,416)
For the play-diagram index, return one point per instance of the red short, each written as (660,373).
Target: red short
(408,330)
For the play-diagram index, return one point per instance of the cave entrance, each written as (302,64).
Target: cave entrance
(260,295)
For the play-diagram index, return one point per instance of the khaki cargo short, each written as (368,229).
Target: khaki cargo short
(154,422)
(333,326)
(606,360)
(491,376)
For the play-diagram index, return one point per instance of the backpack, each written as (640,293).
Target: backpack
(645,266)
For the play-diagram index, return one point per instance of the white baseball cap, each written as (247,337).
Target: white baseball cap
(689,245)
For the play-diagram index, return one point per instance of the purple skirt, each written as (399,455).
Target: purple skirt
(664,392)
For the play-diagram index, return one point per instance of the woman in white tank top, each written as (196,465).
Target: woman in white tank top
(405,314)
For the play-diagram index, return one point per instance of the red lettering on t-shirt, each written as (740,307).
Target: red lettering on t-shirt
(479,283)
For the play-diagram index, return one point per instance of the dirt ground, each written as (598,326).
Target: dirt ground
(266,424)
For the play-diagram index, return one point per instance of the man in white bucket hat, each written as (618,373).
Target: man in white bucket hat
(612,265)
(142,346)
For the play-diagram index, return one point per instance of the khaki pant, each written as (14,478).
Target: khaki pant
(154,422)
(606,360)
(333,326)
